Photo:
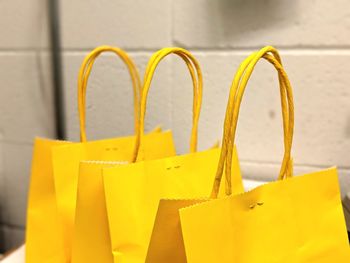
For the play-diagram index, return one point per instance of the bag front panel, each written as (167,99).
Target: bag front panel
(133,193)
(90,229)
(43,236)
(295,220)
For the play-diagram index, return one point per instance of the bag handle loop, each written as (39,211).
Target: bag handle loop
(237,90)
(83,78)
(197,79)
(284,106)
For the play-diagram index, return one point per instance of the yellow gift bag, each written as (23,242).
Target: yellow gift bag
(166,244)
(296,220)
(91,240)
(133,191)
(44,240)
(43,235)
(66,159)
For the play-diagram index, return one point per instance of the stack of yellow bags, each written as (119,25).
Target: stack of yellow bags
(133,200)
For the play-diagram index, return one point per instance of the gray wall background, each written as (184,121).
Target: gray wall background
(313,37)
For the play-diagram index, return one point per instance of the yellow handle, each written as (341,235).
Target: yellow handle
(232,112)
(197,79)
(226,141)
(192,72)
(83,78)
(283,77)
(285,117)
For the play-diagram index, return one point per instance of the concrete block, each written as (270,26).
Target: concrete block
(24,24)
(25,103)
(253,23)
(128,24)
(17,163)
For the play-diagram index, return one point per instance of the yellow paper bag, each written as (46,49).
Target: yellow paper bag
(166,244)
(44,236)
(133,191)
(295,219)
(91,240)
(66,159)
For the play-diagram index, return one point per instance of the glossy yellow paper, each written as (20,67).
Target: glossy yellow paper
(44,236)
(133,191)
(166,244)
(294,220)
(91,241)
(66,167)
(66,159)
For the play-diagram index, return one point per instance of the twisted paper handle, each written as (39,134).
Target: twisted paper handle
(83,78)
(197,79)
(237,90)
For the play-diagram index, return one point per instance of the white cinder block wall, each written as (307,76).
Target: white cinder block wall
(313,36)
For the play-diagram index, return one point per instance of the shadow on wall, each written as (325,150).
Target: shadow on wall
(2,238)
(240,21)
